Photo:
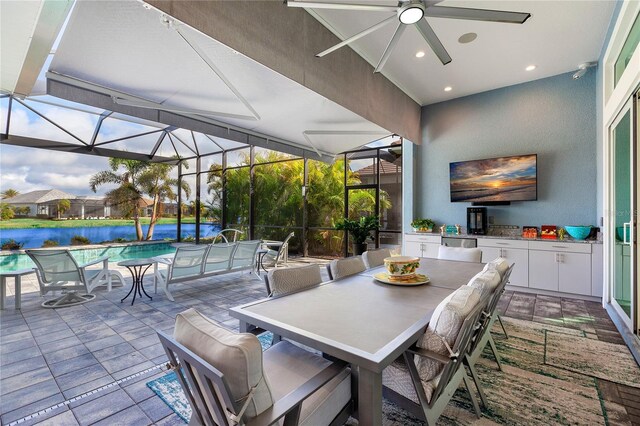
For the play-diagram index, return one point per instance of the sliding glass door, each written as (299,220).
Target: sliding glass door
(623,224)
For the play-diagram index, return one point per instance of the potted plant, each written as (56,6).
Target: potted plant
(360,231)
(423,225)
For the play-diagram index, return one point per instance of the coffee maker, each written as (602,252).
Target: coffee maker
(477,220)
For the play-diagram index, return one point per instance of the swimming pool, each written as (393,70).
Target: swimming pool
(115,252)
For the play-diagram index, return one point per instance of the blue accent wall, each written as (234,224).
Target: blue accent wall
(553,117)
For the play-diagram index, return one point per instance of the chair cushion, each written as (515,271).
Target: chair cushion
(284,281)
(459,253)
(373,258)
(345,267)
(500,264)
(444,327)
(485,281)
(288,367)
(237,356)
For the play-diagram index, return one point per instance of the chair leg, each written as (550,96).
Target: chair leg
(504,330)
(476,380)
(275,339)
(492,344)
(474,401)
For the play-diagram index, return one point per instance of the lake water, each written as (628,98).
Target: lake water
(34,237)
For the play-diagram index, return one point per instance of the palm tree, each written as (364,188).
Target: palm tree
(159,185)
(63,206)
(128,195)
(9,193)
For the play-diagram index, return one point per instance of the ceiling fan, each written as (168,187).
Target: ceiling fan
(413,12)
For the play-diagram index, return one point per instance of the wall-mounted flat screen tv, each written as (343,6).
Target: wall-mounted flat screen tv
(495,179)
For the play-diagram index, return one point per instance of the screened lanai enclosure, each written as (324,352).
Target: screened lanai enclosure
(266,193)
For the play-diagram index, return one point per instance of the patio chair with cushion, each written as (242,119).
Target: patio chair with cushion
(484,282)
(434,365)
(228,380)
(276,257)
(461,254)
(58,270)
(373,258)
(283,281)
(344,267)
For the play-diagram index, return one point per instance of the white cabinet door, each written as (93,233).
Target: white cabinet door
(520,274)
(430,250)
(413,248)
(489,253)
(574,273)
(543,270)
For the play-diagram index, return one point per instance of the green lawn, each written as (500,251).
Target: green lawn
(45,223)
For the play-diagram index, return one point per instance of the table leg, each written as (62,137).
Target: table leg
(3,290)
(369,397)
(18,292)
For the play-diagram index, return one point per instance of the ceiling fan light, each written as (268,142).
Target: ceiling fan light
(411,13)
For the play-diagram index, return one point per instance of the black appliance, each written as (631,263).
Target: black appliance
(477,220)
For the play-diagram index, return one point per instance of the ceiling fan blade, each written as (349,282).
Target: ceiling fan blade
(477,14)
(343,6)
(357,36)
(434,42)
(392,44)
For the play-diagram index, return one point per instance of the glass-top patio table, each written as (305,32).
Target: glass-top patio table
(360,320)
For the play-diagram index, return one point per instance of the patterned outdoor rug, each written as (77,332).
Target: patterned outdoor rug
(550,376)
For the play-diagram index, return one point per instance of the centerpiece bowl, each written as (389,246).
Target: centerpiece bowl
(401,267)
(578,232)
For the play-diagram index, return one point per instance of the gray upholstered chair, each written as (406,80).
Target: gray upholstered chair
(431,371)
(373,258)
(344,267)
(461,254)
(288,280)
(228,380)
(491,283)
(57,270)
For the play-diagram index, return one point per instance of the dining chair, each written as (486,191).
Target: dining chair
(339,268)
(425,379)
(462,254)
(283,281)
(373,258)
(501,265)
(484,282)
(228,380)
(58,270)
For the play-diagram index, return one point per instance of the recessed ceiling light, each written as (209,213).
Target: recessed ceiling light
(467,38)
(419,54)
(530,68)
(448,89)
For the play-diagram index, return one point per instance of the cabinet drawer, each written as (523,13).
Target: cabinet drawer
(423,238)
(559,246)
(491,242)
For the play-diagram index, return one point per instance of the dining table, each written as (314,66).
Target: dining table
(360,320)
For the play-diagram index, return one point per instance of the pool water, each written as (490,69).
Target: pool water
(16,261)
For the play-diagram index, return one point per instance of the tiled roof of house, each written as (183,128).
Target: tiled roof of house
(386,168)
(38,197)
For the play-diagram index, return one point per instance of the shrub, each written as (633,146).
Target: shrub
(50,243)
(79,240)
(11,245)
(6,212)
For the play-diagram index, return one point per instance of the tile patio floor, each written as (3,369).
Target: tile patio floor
(109,349)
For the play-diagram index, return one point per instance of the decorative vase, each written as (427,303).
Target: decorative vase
(359,248)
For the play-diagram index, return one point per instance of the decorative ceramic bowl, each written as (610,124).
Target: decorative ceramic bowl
(401,267)
(578,232)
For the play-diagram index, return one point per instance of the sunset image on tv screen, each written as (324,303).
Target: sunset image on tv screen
(495,179)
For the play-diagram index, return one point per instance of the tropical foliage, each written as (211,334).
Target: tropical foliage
(359,229)
(63,205)
(136,179)
(6,212)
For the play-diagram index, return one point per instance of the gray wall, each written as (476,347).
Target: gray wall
(553,117)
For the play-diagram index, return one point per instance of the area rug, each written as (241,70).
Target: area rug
(595,358)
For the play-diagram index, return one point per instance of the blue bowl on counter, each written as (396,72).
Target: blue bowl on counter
(578,232)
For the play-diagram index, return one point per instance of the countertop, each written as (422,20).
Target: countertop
(567,238)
